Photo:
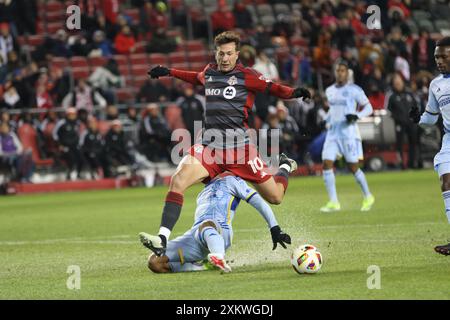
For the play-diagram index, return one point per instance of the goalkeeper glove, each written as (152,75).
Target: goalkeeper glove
(414,114)
(278,236)
(301,93)
(159,71)
(351,118)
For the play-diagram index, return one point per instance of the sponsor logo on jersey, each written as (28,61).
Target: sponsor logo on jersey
(210,79)
(212,92)
(229,92)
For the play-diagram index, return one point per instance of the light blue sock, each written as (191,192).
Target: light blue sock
(330,184)
(214,241)
(360,177)
(187,266)
(446,196)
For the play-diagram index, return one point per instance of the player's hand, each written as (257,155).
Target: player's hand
(301,93)
(414,114)
(279,237)
(351,118)
(158,71)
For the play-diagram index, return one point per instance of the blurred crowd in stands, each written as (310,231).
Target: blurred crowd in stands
(82,98)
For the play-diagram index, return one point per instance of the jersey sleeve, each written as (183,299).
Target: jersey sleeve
(195,78)
(432,104)
(255,82)
(362,101)
(240,189)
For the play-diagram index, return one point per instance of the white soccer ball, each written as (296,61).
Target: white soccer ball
(306,259)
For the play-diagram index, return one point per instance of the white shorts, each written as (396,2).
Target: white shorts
(191,247)
(442,158)
(350,149)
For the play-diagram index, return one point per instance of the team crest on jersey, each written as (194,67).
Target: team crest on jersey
(232,81)
(229,92)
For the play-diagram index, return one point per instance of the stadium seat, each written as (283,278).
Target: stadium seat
(412,26)
(59,62)
(121,59)
(177,57)
(125,95)
(124,70)
(78,62)
(54,6)
(157,58)
(180,66)
(35,40)
(281,8)
(442,24)
(166,81)
(139,70)
(28,137)
(138,81)
(139,58)
(54,16)
(52,27)
(97,61)
(426,25)
(267,21)
(197,66)
(199,56)
(252,10)
(194,45)
(264,10)
(421,15)
(80,73)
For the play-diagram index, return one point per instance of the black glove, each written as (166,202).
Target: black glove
(414,114)
(351,118)
(301,93)
(278,236)
(159,71)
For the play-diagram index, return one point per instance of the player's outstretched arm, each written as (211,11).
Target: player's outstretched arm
(278,236)
(188,76)
(256,82)
(431,114)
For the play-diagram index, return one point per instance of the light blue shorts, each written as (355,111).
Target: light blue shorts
(350,149)
(442,158)
(191,247)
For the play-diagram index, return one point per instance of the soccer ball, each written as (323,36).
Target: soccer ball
(306,259)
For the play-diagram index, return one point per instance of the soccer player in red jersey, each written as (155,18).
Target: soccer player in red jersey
(230,92)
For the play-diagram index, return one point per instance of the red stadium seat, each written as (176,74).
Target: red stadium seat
(194,45)
(177,57)
(139,81)
(121,59)
(166,81)
(54,6)
(140,58)
(199,56)
(125,95)
(139,70)
(80,73)
(298,42)
(180,66)
(157,58)
(78,62)
(197,66)
(124,70)
(52,27)
(35,40)
(59,62)
(97,61)
(28,137)
(54,16)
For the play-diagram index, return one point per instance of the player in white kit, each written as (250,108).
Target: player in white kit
(439,103)
(347,103)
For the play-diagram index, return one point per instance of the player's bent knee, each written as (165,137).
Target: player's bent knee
(207,224)
(274,199)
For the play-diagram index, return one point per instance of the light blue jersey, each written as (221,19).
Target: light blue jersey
(439,103)
(343,139)
(345,100)
(217,203)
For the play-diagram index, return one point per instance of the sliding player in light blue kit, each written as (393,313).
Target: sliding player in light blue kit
(343,138)
(212,234)
(439,103)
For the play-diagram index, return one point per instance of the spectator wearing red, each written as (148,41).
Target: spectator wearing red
(124,42)
(222,19)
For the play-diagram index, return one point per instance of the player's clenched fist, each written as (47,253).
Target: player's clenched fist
(301,93)
(159,71)
(279,236)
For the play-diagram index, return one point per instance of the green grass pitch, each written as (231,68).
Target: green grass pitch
(41,235)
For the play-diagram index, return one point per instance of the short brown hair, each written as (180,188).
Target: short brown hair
(227,37)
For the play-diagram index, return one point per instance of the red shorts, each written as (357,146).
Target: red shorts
(242,162)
